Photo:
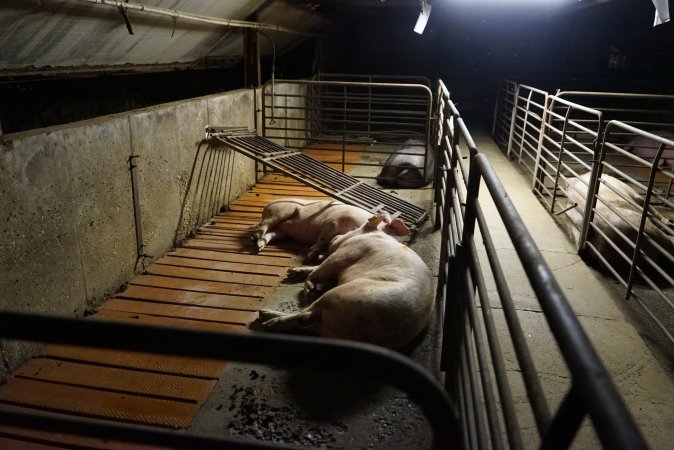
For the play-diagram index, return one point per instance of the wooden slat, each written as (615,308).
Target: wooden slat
(213,287)
(285,247)
(224,231)
(232,316)
(246,208)
(97,403)
(170,387)
(234,248)
(192,298)
(232,257)
(223,266)
(27,439)
(175,365)
(214,275)
(230,226)
(169,321)
(247,215)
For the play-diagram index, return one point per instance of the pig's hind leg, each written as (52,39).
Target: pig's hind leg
(301,321)
(267,237)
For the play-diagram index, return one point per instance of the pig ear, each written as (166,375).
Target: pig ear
(397,228)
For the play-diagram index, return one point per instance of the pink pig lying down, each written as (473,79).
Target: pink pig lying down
(384,293)
(307,222)
(621,216)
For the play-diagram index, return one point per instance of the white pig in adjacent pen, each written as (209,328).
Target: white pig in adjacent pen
(384,293)
(307,222)
(408,167)
(608,215)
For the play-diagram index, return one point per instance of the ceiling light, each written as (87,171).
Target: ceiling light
(423,17)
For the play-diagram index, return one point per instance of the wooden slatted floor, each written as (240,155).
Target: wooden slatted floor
(216,280)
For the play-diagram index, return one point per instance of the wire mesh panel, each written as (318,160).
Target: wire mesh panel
(491,374)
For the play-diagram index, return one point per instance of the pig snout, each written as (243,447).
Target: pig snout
(405,168)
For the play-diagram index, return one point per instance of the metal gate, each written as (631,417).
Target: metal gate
(612,154)
(330,115)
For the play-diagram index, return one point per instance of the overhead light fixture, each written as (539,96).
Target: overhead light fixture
(661,12)
(423,17)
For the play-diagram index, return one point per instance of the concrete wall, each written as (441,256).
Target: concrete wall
(67,217)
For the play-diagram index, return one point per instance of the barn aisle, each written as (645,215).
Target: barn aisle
(646,386)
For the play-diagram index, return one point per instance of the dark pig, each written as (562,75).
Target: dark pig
(405,167)
(646,148)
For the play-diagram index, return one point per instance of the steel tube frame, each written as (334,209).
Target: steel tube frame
(593,392)
(261,348)
(613,423)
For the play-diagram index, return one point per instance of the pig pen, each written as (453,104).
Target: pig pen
(612,136)
(500,366)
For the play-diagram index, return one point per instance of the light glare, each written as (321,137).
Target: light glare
(423,18)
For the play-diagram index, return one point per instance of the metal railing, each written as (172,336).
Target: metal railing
(639,236)
(567,144)
(477,375)
(590,146)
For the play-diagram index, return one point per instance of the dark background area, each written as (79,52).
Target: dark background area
(608,47)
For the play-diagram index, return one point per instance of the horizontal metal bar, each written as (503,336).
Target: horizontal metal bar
(614,424)
(127,433)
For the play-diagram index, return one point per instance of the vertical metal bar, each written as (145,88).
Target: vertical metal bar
(559,160)
(644,216)
(593,188)
(513,117)
(539,177)
(613,422)
(566,423)
(140,244)
(485,377)
(531,382)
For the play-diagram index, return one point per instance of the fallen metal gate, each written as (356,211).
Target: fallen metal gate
(317,174)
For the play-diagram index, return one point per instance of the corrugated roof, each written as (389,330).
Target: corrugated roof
(50,35)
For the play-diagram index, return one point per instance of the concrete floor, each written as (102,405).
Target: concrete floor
(321,409)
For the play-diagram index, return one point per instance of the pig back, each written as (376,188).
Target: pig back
(405,167)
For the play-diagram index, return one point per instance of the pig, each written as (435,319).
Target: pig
(576,191)
(383,295)
(405,167)
(307,222)
(647,148)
